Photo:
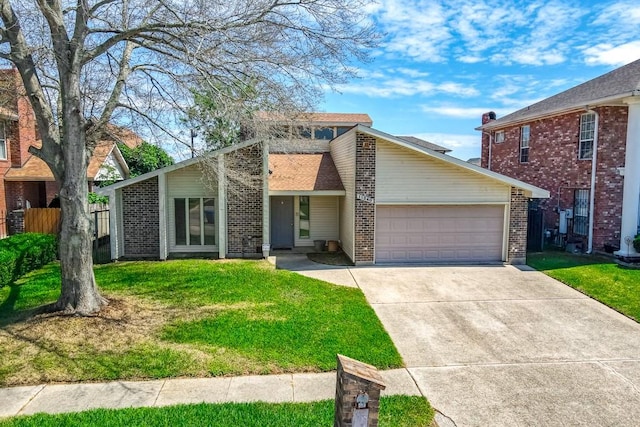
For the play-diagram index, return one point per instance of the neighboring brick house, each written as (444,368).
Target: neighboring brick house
(583,146)
(26,181)
(383,198)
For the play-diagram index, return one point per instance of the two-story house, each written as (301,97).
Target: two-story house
(25,180)
(324,177)
(583,146)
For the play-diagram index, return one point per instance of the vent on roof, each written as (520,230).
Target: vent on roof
(492,115)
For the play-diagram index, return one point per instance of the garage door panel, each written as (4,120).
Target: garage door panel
(439,233)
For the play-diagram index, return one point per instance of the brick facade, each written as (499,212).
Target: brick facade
(518,218)
(554,166)
(141,219)
(244,201)
(365,208)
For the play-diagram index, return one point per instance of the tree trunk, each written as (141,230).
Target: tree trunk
(79,293)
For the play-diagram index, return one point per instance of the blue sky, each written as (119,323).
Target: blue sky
(442,64)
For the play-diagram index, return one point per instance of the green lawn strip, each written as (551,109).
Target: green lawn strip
(600,278)
(396,411)
(224,318)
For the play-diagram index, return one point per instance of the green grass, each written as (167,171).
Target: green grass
(599,277)
(396,411)
(187,318)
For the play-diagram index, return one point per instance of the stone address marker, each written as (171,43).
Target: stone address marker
(358,387)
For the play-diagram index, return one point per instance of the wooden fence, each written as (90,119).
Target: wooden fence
(42,220)
(47,220)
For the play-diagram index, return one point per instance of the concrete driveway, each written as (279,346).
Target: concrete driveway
(502,346)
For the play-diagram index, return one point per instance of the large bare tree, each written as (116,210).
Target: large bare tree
(87,63)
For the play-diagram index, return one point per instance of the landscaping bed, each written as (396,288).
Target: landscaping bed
(187,318)
(599,277)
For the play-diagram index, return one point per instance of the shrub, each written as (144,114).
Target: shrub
(636,243)
(22,253)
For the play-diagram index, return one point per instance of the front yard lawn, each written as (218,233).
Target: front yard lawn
(599,277)
(396,411)
(187,318)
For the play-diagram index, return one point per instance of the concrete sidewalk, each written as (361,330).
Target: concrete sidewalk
(58,398)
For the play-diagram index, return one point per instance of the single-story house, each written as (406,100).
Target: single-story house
(382,197)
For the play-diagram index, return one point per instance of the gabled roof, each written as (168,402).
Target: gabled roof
(613,86)
(183,164)
(35,169)
(303,172)
(425,144)
(532,190)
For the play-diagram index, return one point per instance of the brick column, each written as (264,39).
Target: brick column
(518,218)
(141,219)
(358,387)
(245,180)
(365,209)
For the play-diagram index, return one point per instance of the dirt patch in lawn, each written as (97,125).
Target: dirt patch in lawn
(122,341)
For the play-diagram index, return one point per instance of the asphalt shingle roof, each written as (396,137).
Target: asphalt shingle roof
(621,82)
(303,172)
(425,144)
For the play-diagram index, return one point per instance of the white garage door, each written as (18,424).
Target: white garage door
(439,233)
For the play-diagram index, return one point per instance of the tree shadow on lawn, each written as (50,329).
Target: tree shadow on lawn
(9,315)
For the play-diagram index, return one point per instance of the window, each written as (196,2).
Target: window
(587,133)
(581,212)
(302,132)
(304,217)
(3,143)
(195,221)
(499,137)
(323,133)
(524,143)
(342,129)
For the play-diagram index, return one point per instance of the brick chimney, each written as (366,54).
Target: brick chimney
(487,117)
(23,134)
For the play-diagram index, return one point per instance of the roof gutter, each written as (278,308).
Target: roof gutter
(497,124)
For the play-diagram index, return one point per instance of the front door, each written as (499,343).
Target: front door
(281,222)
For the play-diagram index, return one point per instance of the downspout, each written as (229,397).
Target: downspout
(592,192)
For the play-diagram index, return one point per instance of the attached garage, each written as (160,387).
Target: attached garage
(432,233)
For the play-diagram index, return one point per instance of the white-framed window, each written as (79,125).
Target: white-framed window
(195,223)
(525,134)
(581,212)
(3,143)
(499,138)
(305,217)
(587,133)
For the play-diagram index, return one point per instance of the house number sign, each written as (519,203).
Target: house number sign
(365,198)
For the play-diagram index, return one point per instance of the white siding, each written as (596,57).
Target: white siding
(343,152)
(111,169)
(186,182)
(405,176)
(324,220)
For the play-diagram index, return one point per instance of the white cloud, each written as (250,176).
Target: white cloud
(470,30)
(608,54)
(457,112)
(395,83)
(451,141)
